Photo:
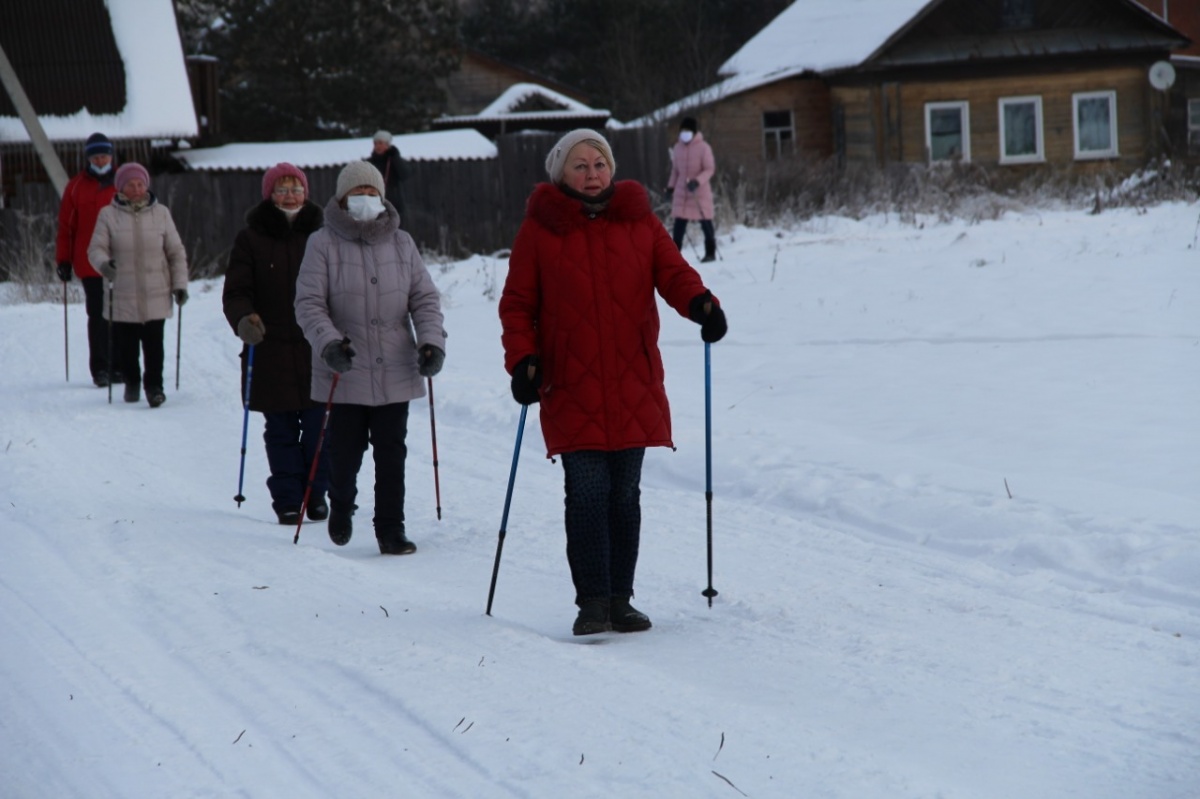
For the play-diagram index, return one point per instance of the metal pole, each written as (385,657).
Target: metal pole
(245,423)
(312,472)
(178,344)
(437,488)
(512,477)
(66,338)
(709,592)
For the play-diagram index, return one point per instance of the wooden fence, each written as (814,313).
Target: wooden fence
(451,207)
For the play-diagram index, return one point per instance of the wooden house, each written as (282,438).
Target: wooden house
(113,66)
(480,79)
(1182,121)
(1007,84)
(527,106)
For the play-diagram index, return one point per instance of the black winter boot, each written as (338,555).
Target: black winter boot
(288,518)
(318,510)
(341,526)
(155,397)
(625,617)
(592,618)
(710,251)
(394,542)
(133,392)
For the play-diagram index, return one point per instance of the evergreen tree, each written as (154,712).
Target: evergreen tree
(313,69)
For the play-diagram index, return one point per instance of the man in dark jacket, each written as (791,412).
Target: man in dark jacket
(85,195)
(386,158)
(260,288)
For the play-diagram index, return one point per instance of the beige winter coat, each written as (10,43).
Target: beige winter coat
(151,261)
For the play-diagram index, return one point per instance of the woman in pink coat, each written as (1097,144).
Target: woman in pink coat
(690,186)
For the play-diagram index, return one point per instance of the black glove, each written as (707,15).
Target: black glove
(669,193)
(251,330)
(526,377)
(108,269)
(693,184)
(430,361)
(704,311)
(180,296)
(65,271)
(337,355)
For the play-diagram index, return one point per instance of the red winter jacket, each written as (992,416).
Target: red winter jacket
(81,203)
(580,295)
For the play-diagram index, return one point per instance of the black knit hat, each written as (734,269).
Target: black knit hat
(688,123)
(97,144)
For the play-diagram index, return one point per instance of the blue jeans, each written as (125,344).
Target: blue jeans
(603,520)
(291,439)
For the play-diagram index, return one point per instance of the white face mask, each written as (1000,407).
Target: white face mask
(290,213)
(102,170)
(364,207)
(685,136)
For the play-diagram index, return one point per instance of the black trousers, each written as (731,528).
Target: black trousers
(384,428)
(291,441)
(128,337)
(706,225)
(603,520)
(97,329)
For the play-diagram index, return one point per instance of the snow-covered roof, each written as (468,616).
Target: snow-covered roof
(505,106)
(808,36)
(159,97)
(821,36)
(447,145)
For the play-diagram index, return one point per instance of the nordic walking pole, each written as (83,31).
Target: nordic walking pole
(512,477)
(110,339)
(437,489)
(178,344)
(66,338)
(709,592)
(239,499)
(312,472)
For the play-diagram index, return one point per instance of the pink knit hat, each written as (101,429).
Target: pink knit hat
(127,172)
(282,170)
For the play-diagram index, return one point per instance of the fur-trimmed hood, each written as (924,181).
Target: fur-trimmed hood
(267,219)
(550,207)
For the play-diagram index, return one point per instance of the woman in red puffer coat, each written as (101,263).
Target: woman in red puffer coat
(580,334)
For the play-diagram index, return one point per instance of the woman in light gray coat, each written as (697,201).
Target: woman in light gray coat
(136,247)
(362,290)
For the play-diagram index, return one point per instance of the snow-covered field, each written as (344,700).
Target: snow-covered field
(956,539)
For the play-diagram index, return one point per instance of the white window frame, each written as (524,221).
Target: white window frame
(1193,128)
(964,107)
(1039,154)
(774,132)
(1114,150)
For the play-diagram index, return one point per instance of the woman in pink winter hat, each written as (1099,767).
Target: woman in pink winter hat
(260,285)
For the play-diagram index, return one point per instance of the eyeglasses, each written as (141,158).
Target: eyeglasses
(284,191)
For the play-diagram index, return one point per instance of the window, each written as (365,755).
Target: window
(1016,14)
(1193,127)
(1095,124)
(1021,130)
(779,134)
(947,131)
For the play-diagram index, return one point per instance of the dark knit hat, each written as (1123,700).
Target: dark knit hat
(688,123)
(97,144)
(127,172)
(282,170)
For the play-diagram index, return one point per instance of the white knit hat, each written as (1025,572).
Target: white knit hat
(383,136)
(358,173)
(557,159)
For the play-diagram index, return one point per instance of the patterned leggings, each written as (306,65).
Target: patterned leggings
(603,520)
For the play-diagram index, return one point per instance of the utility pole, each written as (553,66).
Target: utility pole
(12,84)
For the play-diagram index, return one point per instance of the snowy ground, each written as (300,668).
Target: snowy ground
(956,476)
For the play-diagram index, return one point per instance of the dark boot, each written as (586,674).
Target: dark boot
(133,392)
(710,251)
(340,525)
(155,397)
(625,617)
(394,542)
(592,618)
(288,518)
(318,509)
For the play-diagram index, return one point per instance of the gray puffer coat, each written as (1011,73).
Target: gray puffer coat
(366,281)
(151,260)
